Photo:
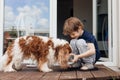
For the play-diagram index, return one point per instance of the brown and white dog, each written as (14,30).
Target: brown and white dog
(46,51)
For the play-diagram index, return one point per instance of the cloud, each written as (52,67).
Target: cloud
(44,7)
(29,10)
(43,22)
(9,17)
(33,15)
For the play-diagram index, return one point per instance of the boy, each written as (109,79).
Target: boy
(84,45)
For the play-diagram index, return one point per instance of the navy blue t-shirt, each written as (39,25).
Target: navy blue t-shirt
(89,38)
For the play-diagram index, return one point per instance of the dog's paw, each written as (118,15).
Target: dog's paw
(10,70)
(47,70)
(17,68)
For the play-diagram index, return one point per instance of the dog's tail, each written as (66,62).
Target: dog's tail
(3,61)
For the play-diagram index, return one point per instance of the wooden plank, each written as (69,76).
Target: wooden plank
(119,73)
(4,76)
(99,74)
(51,76)
(26,74)
(32,76)
(104,73)
(11,76)
(113,74)
(84,75)
(22,76)
(68,75)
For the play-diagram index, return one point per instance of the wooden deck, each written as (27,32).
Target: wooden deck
(102,73)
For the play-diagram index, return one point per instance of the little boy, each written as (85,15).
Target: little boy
(84,45)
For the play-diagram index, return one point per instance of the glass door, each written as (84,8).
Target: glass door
(96,16)
(103,29)
(105,18)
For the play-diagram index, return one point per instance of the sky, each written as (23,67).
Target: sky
(34,13)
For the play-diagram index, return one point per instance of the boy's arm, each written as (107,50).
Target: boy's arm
(88,53)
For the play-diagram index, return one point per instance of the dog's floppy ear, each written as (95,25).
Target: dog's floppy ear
(68,48)
(62,56)
(62,59)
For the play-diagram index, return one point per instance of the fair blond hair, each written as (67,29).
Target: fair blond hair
(72,24)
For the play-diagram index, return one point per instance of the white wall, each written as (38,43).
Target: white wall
(118,6)
(114,31)
(83,10)
(53,18)
(1,27)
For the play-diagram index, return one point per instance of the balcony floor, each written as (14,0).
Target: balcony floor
(102,73)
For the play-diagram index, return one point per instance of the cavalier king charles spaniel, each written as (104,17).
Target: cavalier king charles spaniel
(44,50)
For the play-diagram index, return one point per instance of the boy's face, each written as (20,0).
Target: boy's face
(75,34)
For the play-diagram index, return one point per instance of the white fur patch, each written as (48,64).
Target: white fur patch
(45,67)
(45,39)
(50,56)
(3,60)
(58,42)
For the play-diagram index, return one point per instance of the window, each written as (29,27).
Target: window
(27,17)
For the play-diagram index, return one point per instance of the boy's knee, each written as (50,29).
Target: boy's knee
(73,41)
(81,42)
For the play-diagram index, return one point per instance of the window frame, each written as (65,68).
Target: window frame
(112,17)
(53,21)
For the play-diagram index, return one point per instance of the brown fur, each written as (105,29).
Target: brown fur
(9,51)
(62,53)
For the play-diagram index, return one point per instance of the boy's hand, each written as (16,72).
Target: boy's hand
(75,59)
